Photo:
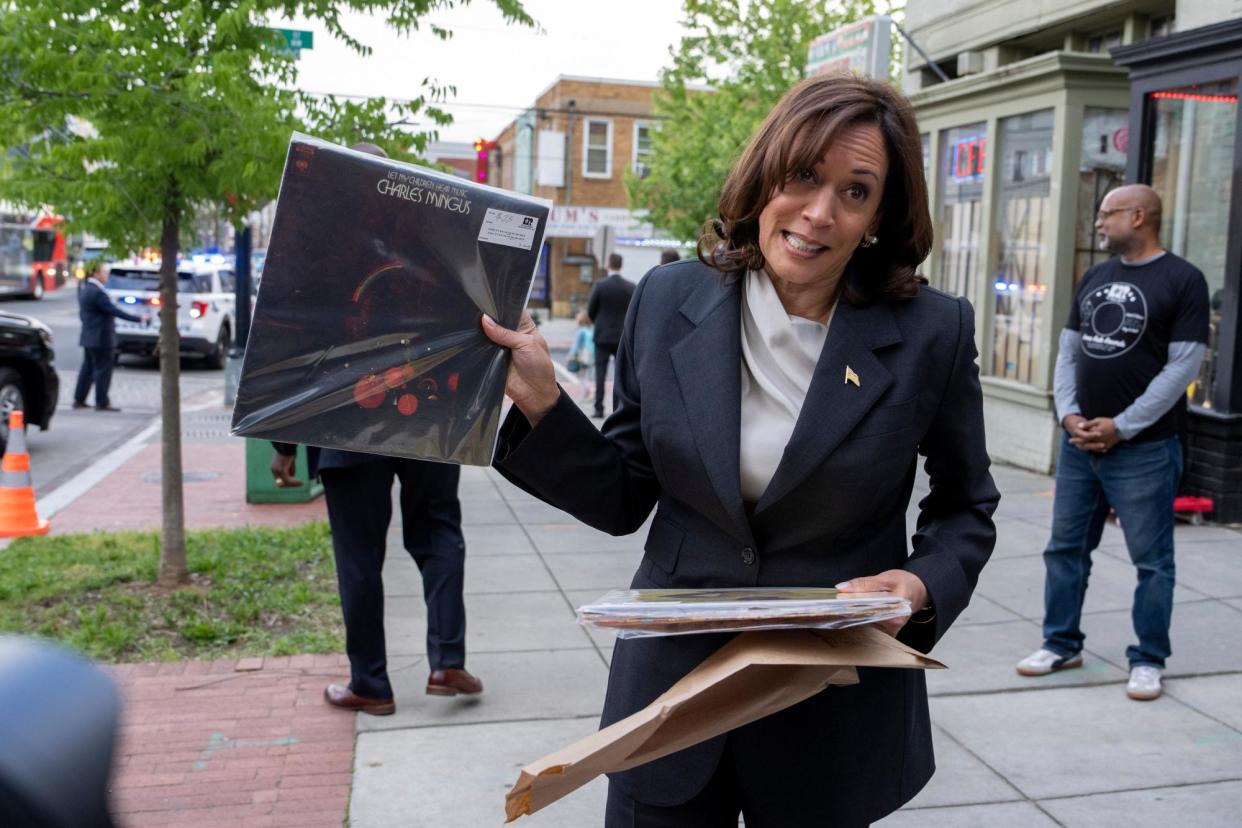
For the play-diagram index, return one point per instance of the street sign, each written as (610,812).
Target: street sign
(862,47)
(295,41)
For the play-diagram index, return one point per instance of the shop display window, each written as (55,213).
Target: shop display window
(963,159)
(1101,168)
(1192,170)
(1023,224)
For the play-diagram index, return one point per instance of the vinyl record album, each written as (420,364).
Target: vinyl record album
(366,332)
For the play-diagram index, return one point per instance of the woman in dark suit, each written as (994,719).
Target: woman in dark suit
(771,401)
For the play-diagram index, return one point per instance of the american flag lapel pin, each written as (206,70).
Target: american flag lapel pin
(850,376)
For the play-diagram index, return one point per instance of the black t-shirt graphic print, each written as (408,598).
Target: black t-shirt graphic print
(1127,315)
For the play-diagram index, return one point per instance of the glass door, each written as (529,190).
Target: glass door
(1192,170)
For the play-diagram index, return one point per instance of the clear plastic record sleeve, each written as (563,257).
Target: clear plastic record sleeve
(366,333)
(632,613)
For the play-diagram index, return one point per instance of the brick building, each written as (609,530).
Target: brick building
(575,145)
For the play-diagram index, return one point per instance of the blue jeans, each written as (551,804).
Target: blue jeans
(1140,481)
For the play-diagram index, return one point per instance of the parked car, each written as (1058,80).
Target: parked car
(206,300)
(28,380)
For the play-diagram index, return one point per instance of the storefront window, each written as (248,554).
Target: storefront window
(1023,223)
(963,158)
(1192,169)
(1101,168)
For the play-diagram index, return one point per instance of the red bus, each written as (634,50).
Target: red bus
(33,255)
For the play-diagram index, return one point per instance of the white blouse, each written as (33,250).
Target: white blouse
(779,353)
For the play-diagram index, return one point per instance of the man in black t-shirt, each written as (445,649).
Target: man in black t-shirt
(1133,342)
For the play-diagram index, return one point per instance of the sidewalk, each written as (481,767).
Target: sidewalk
(232,744)
(1068,749)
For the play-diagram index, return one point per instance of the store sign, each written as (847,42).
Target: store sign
(585,222)
(969,155)
(861,47)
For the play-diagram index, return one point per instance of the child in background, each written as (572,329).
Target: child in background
(582,353)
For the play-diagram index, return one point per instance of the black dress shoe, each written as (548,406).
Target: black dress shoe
(339,695)
(106,408)
(451,681)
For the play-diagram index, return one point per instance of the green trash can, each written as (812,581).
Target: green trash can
(261,486)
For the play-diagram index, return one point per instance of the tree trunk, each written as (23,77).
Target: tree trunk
(173,568)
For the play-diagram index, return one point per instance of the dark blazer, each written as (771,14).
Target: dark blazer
(610,299)
(99,316)
(835,509)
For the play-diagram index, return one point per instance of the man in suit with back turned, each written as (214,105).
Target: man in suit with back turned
(98,339)
(610,299)
(358,490)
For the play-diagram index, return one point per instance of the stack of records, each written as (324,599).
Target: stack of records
(632,613)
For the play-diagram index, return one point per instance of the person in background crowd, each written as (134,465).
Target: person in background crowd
(582,352)
(358,491)
(669,256)
(1135,337)
(610,299)
(98,338)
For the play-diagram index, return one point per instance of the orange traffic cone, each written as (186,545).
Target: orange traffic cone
(17,498)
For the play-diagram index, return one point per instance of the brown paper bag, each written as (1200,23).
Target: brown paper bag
(754,675)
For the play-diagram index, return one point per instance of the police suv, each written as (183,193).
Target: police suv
(206,302)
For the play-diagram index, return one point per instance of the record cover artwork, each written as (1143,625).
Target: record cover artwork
(366,333)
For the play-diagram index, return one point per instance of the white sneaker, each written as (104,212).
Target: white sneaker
(1145,683)
(1042,662)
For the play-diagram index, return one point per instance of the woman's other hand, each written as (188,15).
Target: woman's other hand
(531,383)
(897,581)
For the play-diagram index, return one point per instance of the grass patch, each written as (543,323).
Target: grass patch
(262,591)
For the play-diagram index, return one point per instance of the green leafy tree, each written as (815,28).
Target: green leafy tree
(750,52)
(127,116)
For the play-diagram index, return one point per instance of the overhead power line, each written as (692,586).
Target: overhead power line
(498,107)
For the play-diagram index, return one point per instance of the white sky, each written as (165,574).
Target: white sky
(498,69)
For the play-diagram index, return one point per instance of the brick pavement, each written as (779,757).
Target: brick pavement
(219,744)
(243,743)
(129,498)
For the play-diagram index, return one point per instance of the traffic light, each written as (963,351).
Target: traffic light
(481,146)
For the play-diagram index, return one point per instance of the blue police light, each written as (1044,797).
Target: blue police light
(129,300)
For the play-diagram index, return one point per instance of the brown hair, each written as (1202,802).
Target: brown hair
(795,136)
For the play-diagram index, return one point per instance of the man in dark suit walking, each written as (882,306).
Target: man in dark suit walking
(610,299)
(358,490)
(98,339)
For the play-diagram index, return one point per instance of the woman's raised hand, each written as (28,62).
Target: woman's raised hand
(531,383)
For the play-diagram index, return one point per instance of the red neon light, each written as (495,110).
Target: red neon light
(1188,96)
(969,156)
